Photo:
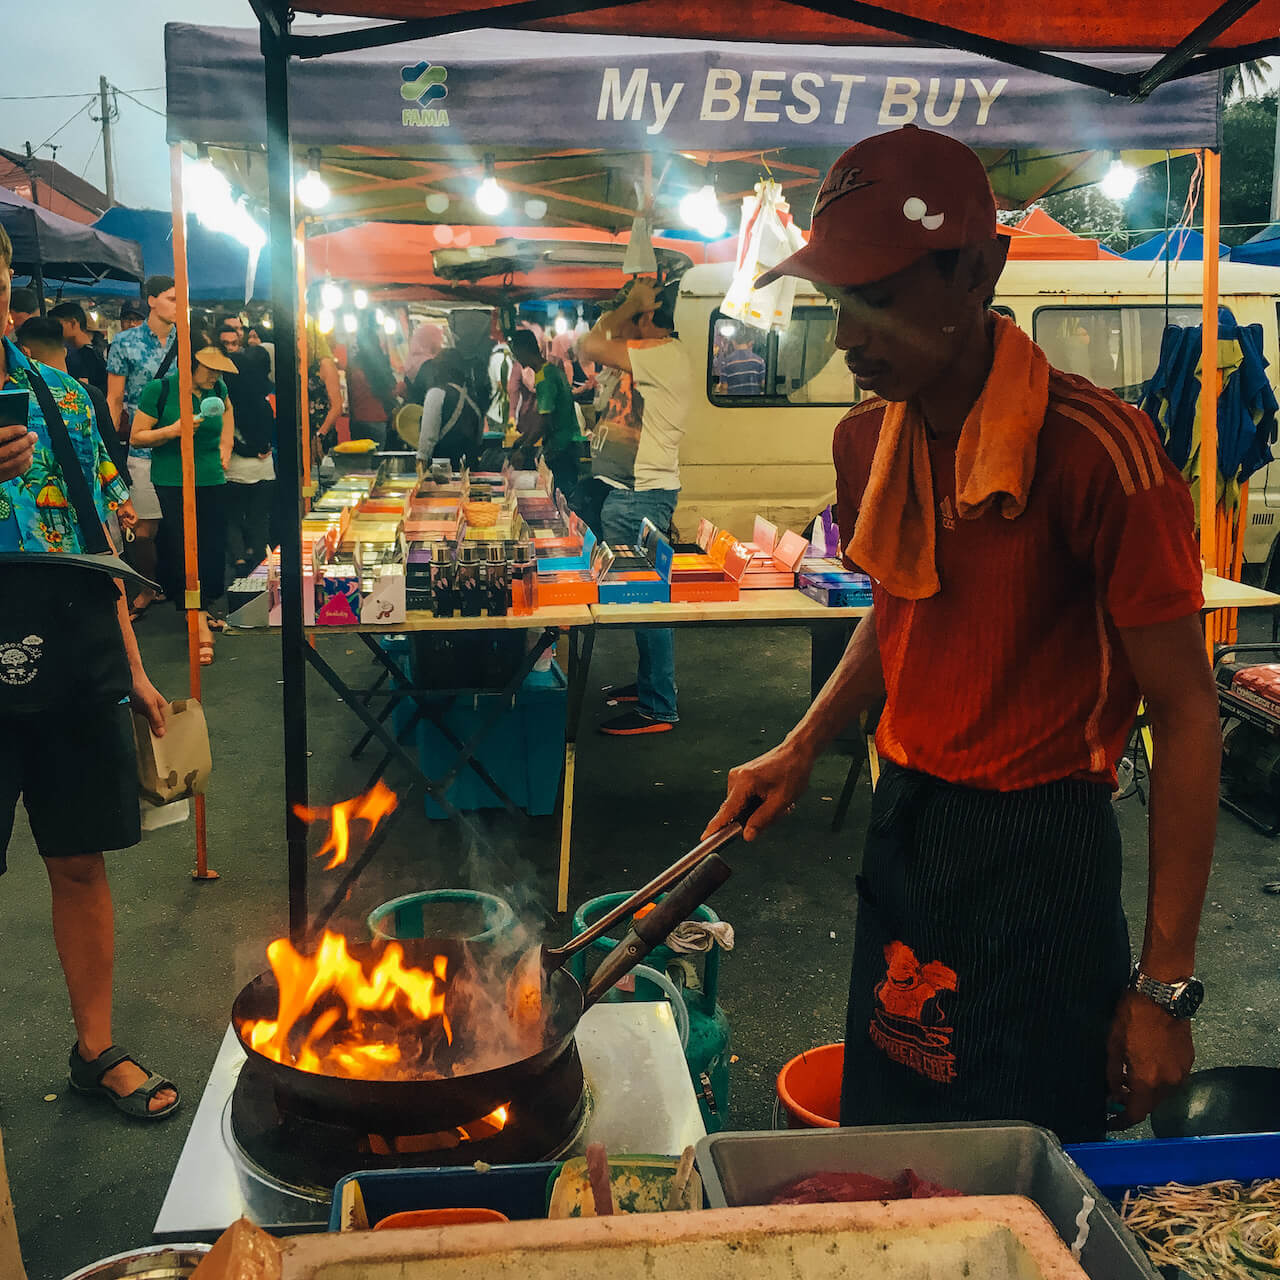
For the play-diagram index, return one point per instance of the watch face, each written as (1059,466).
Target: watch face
(1188,998)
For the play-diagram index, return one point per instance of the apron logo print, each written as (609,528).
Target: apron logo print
(948,514)
(910,1026)
(20,662)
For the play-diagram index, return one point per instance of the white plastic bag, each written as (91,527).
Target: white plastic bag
(767,235)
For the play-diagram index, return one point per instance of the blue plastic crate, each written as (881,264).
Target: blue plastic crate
(1118,1166)
(523,753)
(518,1190)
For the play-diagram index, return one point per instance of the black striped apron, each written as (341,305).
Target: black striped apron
(990,952)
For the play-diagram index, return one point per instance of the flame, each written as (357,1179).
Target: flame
(371,807)
(446,1139)
(346,1037)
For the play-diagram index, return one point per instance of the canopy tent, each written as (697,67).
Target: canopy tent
(1185,38)
(444,262)
(217,263)
(47,246)
(1181,243)
(1009,34)
(1262,250)
(1044,238)
(393,125)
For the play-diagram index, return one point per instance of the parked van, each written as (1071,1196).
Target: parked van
(767,447)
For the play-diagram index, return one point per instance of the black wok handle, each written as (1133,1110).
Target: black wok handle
(554,957)
(652,928)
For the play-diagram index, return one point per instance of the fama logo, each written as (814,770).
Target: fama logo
(424,83)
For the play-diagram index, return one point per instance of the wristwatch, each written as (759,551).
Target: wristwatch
(1177,999)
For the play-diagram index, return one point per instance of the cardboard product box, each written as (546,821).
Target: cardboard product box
(695,578)
(178,765)
(837,589)
(575,586)
(572,552)
(634,586)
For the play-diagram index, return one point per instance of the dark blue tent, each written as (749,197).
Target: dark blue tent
(1181,245)
(1263,250)
(217,263)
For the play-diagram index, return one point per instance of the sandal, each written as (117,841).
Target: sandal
(86,1077)
(206,654)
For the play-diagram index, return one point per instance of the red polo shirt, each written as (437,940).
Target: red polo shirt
(1014,674)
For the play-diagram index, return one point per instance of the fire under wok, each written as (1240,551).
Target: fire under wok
(470,1058)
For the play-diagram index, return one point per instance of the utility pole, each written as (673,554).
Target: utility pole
(31,173)
(108,160)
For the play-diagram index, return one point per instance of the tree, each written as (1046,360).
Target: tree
(1246,78)
(1087,212)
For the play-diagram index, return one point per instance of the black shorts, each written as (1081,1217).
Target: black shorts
(76,771)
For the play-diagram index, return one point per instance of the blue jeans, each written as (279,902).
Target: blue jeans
(621,516)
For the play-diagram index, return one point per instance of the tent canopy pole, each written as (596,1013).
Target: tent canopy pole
(1209,364)
(191,556)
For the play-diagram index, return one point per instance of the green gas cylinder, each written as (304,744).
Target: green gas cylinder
(707,1052)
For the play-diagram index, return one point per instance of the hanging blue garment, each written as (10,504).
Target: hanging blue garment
(1247,405)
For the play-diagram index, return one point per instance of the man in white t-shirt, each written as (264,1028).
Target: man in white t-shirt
(635,452)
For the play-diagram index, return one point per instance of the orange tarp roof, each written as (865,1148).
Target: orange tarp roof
(1081,25)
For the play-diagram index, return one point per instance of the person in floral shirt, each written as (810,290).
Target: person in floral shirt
(69,672)
(35,511)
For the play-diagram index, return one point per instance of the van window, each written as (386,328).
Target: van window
(1114,347)
(747,368)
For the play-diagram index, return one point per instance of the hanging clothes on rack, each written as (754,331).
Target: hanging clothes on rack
(1247,406)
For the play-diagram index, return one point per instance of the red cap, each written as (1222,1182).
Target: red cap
(886,203)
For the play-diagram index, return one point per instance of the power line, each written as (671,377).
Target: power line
(64,124)
(92,153)
(45,97)
(125,93)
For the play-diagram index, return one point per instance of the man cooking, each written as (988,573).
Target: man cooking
(1034,570)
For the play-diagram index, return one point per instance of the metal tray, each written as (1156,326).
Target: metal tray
(980,1159)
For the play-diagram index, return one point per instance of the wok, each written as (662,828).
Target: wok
(430,1105)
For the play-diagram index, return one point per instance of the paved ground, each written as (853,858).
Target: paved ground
(87,1183)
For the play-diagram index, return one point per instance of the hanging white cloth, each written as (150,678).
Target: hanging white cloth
(766,235)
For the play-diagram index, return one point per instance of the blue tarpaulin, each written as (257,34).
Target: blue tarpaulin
(1263,250)
(1180,245)
(216,263)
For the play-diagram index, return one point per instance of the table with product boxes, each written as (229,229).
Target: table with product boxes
(462,586)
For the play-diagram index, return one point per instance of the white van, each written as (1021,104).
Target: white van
(769,450)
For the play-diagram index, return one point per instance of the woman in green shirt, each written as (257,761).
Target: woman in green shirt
(157,426)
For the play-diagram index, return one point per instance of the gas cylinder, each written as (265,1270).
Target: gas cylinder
(698,977)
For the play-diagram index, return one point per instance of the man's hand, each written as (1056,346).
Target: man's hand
(642,297)
(777,779)
(126,514)
(17,448)
(148,701)
(1149,1054)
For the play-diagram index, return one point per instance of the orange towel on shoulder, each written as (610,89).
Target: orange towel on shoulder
(895,537)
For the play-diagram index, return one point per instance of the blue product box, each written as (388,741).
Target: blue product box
(631,586)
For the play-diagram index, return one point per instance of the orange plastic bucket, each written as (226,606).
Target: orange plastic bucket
(809,1088)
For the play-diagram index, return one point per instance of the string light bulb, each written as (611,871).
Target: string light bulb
(491,196)
(312,189)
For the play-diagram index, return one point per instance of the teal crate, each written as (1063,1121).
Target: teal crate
(523,753)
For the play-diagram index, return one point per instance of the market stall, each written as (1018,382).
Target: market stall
(681,112)
(273,1120)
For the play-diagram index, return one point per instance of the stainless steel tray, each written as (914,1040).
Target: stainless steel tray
(981,1159)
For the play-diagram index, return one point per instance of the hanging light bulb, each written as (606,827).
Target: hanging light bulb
(361,298)
(390,328)
(331,295)
(1119,181)
(378,314)
(562,325)
(349,321)
(324,321)
(491,196)
(701,210)
(205,191)
(312,189)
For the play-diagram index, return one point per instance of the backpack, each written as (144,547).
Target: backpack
(460,433)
